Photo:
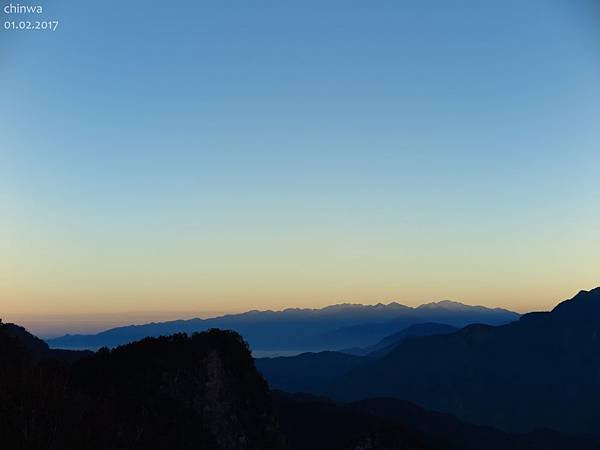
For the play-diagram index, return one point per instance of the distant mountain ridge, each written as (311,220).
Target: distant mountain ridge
(332,327)
(387,344)
(312,372)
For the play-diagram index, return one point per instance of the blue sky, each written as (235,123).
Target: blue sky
(223,156)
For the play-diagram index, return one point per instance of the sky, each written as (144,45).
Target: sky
(163,157)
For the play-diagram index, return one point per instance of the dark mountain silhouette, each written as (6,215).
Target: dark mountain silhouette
(330,328)
(307,372)
(37,348)
(174,392)
(319,424)
(540,371)
(388,343)
(312,372)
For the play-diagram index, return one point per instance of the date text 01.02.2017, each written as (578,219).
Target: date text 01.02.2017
(50,25)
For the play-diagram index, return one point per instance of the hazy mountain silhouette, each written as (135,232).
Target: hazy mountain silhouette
(312,372)
(333,327)
(383,423)
(388,343)
(540,371)
(174,392)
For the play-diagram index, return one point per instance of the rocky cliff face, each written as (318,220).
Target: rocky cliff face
(176,392)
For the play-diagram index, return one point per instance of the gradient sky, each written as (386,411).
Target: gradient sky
(224,156)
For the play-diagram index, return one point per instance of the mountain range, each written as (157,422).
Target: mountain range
(330,328)
(203,392)
(541,371)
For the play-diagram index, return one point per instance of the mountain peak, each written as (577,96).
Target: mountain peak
(446,304)
(581,305)
(380,305)
(592,293)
